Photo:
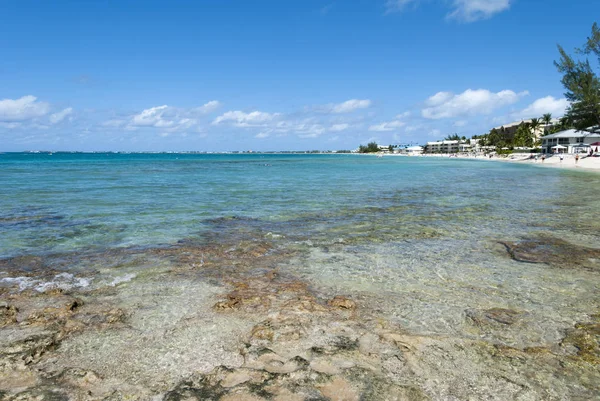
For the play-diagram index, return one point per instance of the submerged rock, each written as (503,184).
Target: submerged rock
(8,313)
(585,337)
(493,316)
(554,252)
(342,302)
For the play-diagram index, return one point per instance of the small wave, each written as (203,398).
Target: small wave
(63,281)
(122,279)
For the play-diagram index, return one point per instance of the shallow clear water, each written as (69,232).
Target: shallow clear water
(418,241)
(75,202)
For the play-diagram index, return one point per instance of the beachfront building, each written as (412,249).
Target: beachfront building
(569,141)
(414,150)
(464,147)
(509,130)
(442,147)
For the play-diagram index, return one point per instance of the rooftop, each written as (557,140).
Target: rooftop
(571,133)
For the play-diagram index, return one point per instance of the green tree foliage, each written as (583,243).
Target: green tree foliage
(371,147)
(452,137)
(547,118)
(496,138)
(524,137)
(582,84)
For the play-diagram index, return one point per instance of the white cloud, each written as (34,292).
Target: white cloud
(474,10)
(58,117)
(208,107)
(262,135)
(185,123)
(542,106)
(387,126)
(241,119)
(22,109)
(168,118)
(460,123)
(462,10)
(339,127)
(152,117)
(403,115)
(350,105)
(439,98)
(470,102)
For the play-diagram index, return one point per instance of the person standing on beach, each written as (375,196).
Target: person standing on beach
(576,158)
(543,158)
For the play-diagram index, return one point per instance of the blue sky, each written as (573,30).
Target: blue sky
(276,75)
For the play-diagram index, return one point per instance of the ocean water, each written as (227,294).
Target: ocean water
(420,241)
(76,202)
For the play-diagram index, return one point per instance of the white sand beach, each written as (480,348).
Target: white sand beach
(568,161)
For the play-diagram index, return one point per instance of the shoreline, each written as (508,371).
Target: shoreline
(586,163)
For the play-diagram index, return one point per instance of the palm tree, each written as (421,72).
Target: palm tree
(534,125)
(547,119)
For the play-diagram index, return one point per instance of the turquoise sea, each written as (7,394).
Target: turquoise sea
(423,243)
(67,202)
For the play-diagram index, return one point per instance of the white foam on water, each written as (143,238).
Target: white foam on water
(63,281)
(23,282)
(122,279)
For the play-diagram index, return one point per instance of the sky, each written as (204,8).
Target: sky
(239,75)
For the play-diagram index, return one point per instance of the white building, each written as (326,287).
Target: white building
(442,147)
(572,141)
(510,129)
(414,150)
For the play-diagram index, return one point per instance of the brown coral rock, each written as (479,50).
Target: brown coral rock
(342,302)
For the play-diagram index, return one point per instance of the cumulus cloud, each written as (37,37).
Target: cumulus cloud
(470,102)
(461,10)
(25,108)
(349,106)
(345,107)
(542,106)
(208,107)
(61,115)
(439,98)
(169,119)
(387,126)
(242,119)
(152,117)
(474,10)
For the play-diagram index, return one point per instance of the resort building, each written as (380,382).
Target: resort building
(442,147)
(509,130)
(570,141)
(464,147)
(412,150)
